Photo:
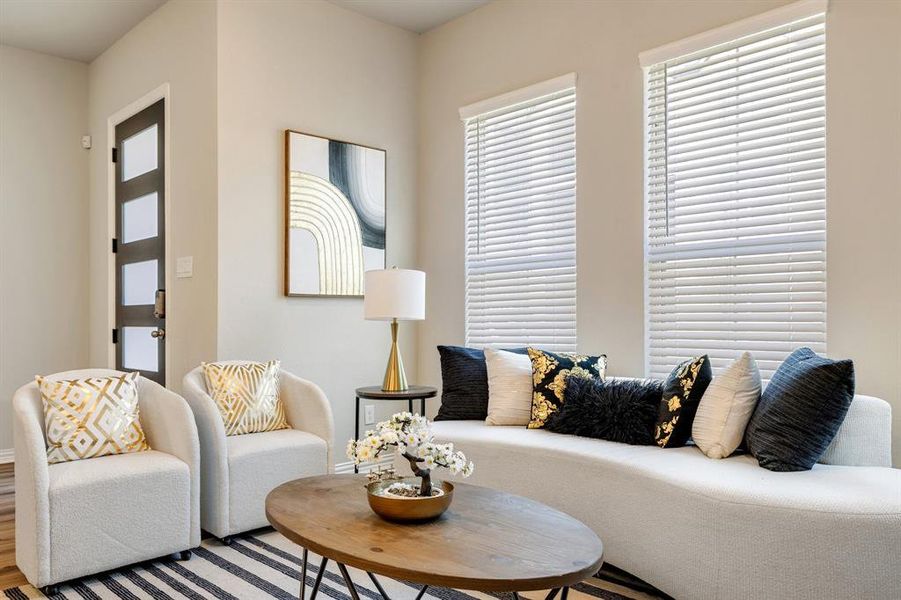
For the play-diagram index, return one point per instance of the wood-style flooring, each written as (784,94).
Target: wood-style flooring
(10,575)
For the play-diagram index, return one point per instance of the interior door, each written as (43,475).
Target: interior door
(140,333)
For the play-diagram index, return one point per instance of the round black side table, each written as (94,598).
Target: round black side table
(375,392)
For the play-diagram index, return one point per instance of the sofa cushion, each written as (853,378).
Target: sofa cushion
(509,387)
(726,407)
(260,462)
(682,392)
(619,410)
(115,510)
(550,371)
(800,411)
(464,383)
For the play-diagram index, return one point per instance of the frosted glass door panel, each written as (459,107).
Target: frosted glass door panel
(139,218)
(139,283)
(139,153)
(139,349)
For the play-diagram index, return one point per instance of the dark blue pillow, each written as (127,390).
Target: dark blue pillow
(464,384)
(800,411)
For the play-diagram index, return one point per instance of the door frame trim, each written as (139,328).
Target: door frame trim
(160,93)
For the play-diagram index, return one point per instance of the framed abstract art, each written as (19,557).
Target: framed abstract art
(335,215)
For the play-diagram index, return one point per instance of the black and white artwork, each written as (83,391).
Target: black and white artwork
(335,214)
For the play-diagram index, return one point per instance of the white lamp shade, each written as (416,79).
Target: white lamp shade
(394,294)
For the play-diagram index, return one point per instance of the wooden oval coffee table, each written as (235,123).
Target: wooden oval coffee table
(488,540)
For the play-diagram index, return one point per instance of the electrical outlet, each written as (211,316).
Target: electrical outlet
(369,414)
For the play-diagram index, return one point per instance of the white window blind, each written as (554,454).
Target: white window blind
(736,200)
(521,220)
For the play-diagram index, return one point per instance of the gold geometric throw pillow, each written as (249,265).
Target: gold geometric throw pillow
(91,417)
(246,395)
(549,373)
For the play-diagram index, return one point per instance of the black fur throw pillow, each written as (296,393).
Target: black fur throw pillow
(619,410)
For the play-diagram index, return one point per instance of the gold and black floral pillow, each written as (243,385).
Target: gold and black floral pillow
(682,392)
(549,373)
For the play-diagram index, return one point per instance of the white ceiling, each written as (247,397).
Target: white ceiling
(417,16)
(75,29)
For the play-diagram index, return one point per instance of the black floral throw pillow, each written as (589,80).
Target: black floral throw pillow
(549,373)
(682,393)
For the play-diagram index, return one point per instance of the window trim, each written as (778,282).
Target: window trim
(733,31)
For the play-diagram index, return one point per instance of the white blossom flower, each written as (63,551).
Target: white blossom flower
(411,435)
(364,453)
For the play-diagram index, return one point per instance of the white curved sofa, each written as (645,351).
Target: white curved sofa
(697,528)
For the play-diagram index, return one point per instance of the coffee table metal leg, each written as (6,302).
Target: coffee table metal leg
(421,592)
(565,594)
(303,574)
(378,586)
(348,582)
(318,578)
(552,594)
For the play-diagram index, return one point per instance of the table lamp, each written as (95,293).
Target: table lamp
(394,295)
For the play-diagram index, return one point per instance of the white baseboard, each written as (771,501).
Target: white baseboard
(348,466)
(6,456)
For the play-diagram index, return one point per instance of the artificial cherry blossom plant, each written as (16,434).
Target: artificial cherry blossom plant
(412,436)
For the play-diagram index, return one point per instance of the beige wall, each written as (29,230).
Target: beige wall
(176,45)
(317,68)
(863,201)
(43,220)
(507,44)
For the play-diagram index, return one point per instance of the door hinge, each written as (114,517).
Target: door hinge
(115,155)
(115,336)
(115,245)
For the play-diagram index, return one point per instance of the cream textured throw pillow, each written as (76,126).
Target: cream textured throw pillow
(726,408)
(509,387)
(91,417)
(246,395)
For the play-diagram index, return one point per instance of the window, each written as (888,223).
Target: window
(521,218)
(736,199)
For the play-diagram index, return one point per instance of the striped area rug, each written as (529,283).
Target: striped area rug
(264,564)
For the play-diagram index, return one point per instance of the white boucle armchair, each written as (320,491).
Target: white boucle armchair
(239,471)
(82,517)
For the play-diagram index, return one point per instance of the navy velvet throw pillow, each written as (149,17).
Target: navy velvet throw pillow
(464,384)
(619,410)
(800,411)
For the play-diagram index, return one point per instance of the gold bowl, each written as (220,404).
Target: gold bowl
(409,510)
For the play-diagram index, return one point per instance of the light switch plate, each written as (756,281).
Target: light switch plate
(369,414)
(184,266)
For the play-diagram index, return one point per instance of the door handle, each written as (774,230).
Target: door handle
(158,333)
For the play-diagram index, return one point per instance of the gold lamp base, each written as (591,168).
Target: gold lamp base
(395,378)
